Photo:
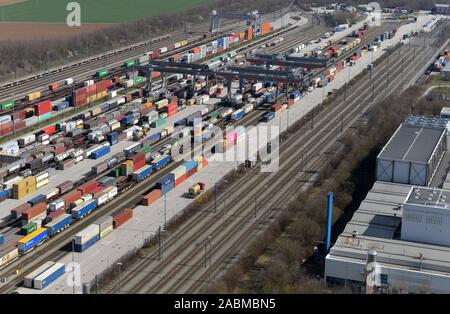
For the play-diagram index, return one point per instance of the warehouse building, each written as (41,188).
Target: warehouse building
(441,9)
(414,152)
(402,235)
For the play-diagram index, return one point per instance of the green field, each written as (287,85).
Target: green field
(92,11)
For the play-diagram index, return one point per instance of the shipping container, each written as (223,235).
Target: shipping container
(32,240)
(59,224)
(151,197)
(122,217)
(8,256)
(28,280)
(83,209)
(49,276)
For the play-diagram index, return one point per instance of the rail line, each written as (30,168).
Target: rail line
(247,213)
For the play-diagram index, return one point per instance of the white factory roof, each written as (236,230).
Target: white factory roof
(430,197)
(376,226)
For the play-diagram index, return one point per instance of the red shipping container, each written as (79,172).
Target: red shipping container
(122,217)
(19,115)
(43,107)
(180,179)
(34,211)
(50,130)
(59,150)
(19,125)
(53,86)
(155,74)
(144,111)
(71,197)
(138,165)
(87,187)
(17,212)
(119,117)
(55,214)
(138,157)
(128,98)
(276,107)
(151,197)
(191,172)
(205,162)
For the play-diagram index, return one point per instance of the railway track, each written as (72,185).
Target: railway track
(186,279)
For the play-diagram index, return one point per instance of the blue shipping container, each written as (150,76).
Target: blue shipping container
(2,239)
(268,116)
(165,181)
(162,162)
(191,164)
(25,247)
(142,174)
(167,188)
(105,107)
(54,228)
(100,152)
(81,248)
(38,199)
(42,283)
(82,210)
(112,138)
(181,122)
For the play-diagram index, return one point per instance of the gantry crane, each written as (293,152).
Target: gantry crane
(253,19)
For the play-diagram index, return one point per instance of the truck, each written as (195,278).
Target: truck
(196,189)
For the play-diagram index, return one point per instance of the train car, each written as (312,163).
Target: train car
(59,224)
(8,256)
(32,240)
(142,173)
(83,209)
(268,116)
(161,162)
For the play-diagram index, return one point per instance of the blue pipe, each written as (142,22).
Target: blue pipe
(329,221)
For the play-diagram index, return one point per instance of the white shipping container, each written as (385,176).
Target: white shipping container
(106,231)
(41,176)
(112,94)
(88,82)
(55,205)
(112,192)
(79,158)
(43,137)
(86,197)
(103,199)
(68,81)
(39,281)
(41,183)
(87,234)
(6,118)
(179,171)
(51,193)
(169,129)
(163,49)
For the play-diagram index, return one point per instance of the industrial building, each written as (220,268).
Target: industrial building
(441,9)
(378,227)
(414,152)
(399,236)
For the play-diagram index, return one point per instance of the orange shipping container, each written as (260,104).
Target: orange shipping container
(151,197)
(155,74)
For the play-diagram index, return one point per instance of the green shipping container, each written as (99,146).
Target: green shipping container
(214,114)
(129,63)
(28,228)
(102,73)
(138,80)
(7,104)
(115,173)
(158,122)
(144,149)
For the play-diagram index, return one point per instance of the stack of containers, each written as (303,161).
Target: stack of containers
(35,213)
(42,179)
(86,238)
(179,175)
(88,187)
(71,197)
(17,212)
(105,225)
(138,161)
(28,280)
(122,217)
(126,168)
(50,275)
(171,108)
(24,187)
(191,167)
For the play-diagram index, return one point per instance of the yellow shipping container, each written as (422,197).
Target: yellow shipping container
(149,104)
(183,42)
(128,164)
(25,183)
(33,96)
(19,194)
(191,102)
